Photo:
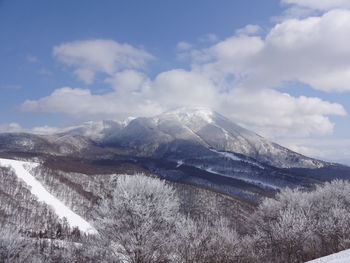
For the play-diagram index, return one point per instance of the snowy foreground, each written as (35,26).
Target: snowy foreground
(43,195)
(340,257)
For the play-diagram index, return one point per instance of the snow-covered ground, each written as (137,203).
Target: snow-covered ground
(21,169)
(340,257)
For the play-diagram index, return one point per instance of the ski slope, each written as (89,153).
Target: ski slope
(340,257)
(21,170)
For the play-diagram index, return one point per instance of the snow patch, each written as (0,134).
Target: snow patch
(21,170)
(179,163)
(228,155)
(340,257)
(234,157)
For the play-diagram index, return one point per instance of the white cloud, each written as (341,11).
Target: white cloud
(128,81)
(313,51)
(177,88)
(85,75)
(81,103)
(183,46)
(295,12)
(10,127)
(274,114)
(319,4)
(72,101)
(335,150)
(107,56)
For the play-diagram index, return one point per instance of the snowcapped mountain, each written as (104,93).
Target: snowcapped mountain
(196,146)
(206,128)
(165,134)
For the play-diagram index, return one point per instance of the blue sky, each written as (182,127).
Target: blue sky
(277,67)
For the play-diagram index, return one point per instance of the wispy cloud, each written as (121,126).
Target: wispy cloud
(208,38)
(10,87)
(32,59)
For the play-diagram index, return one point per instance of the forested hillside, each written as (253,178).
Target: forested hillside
(140,218)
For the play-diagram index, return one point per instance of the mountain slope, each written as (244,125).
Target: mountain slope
(21,169)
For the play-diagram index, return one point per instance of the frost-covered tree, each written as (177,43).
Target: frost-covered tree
(204,241)
(331,215)
(140,218)
(299,225)
(284,225)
